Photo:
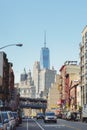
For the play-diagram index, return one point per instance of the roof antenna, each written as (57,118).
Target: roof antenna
(45,39)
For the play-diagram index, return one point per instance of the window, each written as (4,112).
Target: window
(86,35)
(0,119)
(78,94)
(83,39)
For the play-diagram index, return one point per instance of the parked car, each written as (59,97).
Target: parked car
(75,116)
(16,118)
(9,116)
(78,116)
(64,115)
(4,124)
(69,115)
(59,115)
(40,116)
(50,117)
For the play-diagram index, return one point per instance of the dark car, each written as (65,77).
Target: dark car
(59,115)
(15,114)
(50,117)
(40,116)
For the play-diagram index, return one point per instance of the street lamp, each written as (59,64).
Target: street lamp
(11,45)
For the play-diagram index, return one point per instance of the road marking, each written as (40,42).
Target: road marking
(27,124)
(72,127)
(39,125)
(51,125)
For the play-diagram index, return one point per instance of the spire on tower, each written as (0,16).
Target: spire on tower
(45,39)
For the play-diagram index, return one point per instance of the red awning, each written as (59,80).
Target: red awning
(59,102)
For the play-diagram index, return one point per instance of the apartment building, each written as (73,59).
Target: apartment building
(83,66)
(54,94)
(75,95)
(69,72)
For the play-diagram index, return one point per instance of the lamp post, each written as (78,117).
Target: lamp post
(11,45)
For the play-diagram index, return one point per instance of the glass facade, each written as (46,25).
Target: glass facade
(44,58)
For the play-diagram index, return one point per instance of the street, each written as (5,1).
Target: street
(33,124)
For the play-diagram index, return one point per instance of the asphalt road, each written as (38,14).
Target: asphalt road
(33,124)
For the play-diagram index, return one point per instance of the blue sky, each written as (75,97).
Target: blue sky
(24,21)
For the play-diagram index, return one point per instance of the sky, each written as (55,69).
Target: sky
(24,21)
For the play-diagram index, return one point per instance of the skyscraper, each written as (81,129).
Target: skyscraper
(44,56)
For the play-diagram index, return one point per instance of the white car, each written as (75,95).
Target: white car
(50,117)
